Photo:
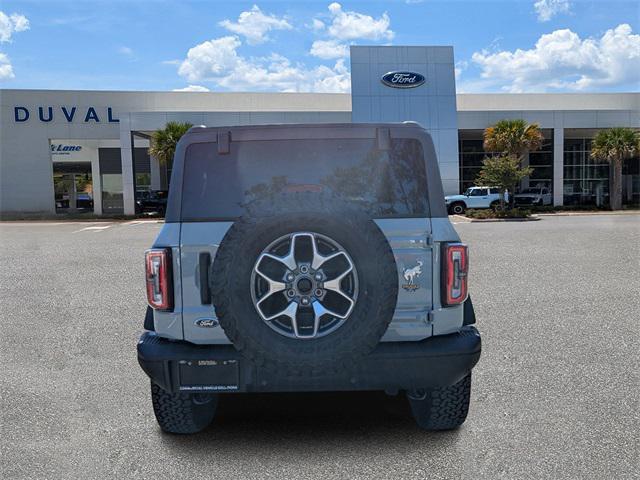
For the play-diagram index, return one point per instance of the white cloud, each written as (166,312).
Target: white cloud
(126,51)
(10,24)
(254,25)
(460,67)
(328,49)
(219,62)
(561,60)
(6,70)
(547,9)
(317,25)
(347,25)
(192,88)
(210,59)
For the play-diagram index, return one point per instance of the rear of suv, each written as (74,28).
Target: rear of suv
(307,258)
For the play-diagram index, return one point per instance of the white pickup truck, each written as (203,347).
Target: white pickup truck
(534,196)
(474,197)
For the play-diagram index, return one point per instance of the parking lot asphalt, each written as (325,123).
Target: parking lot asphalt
(555,395)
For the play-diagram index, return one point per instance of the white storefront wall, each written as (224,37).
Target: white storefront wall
(30,120)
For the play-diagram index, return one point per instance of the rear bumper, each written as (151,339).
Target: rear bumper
(437,361)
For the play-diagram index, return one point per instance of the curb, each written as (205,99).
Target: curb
(491,220)
(46,221)
(463,219)
(577,214)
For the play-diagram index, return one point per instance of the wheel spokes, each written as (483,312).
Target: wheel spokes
(319,260)
(290,311)
(288,261)
(274,287)
(319,309)
(334,284)
(293,279)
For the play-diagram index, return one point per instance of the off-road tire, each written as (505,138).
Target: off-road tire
(443,408)
(377,290)
(457,208)
(182,413)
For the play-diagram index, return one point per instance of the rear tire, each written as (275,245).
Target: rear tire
(457,208)
(369,318)
(443,408)
(495,206)
(183,413)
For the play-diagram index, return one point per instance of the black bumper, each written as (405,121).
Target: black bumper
(436,361)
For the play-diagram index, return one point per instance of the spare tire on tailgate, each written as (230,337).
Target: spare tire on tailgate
(304,285)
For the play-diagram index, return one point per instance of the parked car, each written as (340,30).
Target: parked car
(474,197)
(151,201)
(84,201)
(298,258)
(533,196)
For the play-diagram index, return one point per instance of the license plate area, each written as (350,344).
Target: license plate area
(208,375)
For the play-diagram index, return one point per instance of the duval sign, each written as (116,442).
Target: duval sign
(403,79)
(65,113)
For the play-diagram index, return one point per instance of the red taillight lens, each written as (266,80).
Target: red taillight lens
(455,267)
(158,273)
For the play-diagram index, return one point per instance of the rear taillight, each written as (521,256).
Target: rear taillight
(455,267)
(158,272)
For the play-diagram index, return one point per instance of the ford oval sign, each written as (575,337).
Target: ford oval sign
(207,322)
(402,79)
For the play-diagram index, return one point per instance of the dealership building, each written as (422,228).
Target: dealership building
(68,151)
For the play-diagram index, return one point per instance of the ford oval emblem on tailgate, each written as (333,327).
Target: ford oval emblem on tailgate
(402,79)
(207,322)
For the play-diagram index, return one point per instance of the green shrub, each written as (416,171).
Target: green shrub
(543,208)
(489,213)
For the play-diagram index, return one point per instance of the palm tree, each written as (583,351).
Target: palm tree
(615,146)
(513,137)
(163,142)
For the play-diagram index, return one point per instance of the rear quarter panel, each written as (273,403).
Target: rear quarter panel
(199,237)
(410,240)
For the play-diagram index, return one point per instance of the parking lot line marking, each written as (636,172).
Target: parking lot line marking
(133,223)
(94,228)
(39,223)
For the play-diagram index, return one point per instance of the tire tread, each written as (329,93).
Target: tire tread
(176,412)
(443,408)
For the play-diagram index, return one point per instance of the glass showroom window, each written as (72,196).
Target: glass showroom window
(631,182)
(471,156)
(542,163)
(586,181)
(112,195)
(142,169)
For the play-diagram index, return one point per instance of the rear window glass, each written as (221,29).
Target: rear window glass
(383,183)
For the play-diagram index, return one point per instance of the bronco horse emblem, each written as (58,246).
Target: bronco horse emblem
(410,275)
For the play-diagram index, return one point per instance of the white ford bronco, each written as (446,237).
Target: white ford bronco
(474,197)
(307,258)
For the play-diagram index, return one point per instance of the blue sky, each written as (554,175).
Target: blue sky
(500,46)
